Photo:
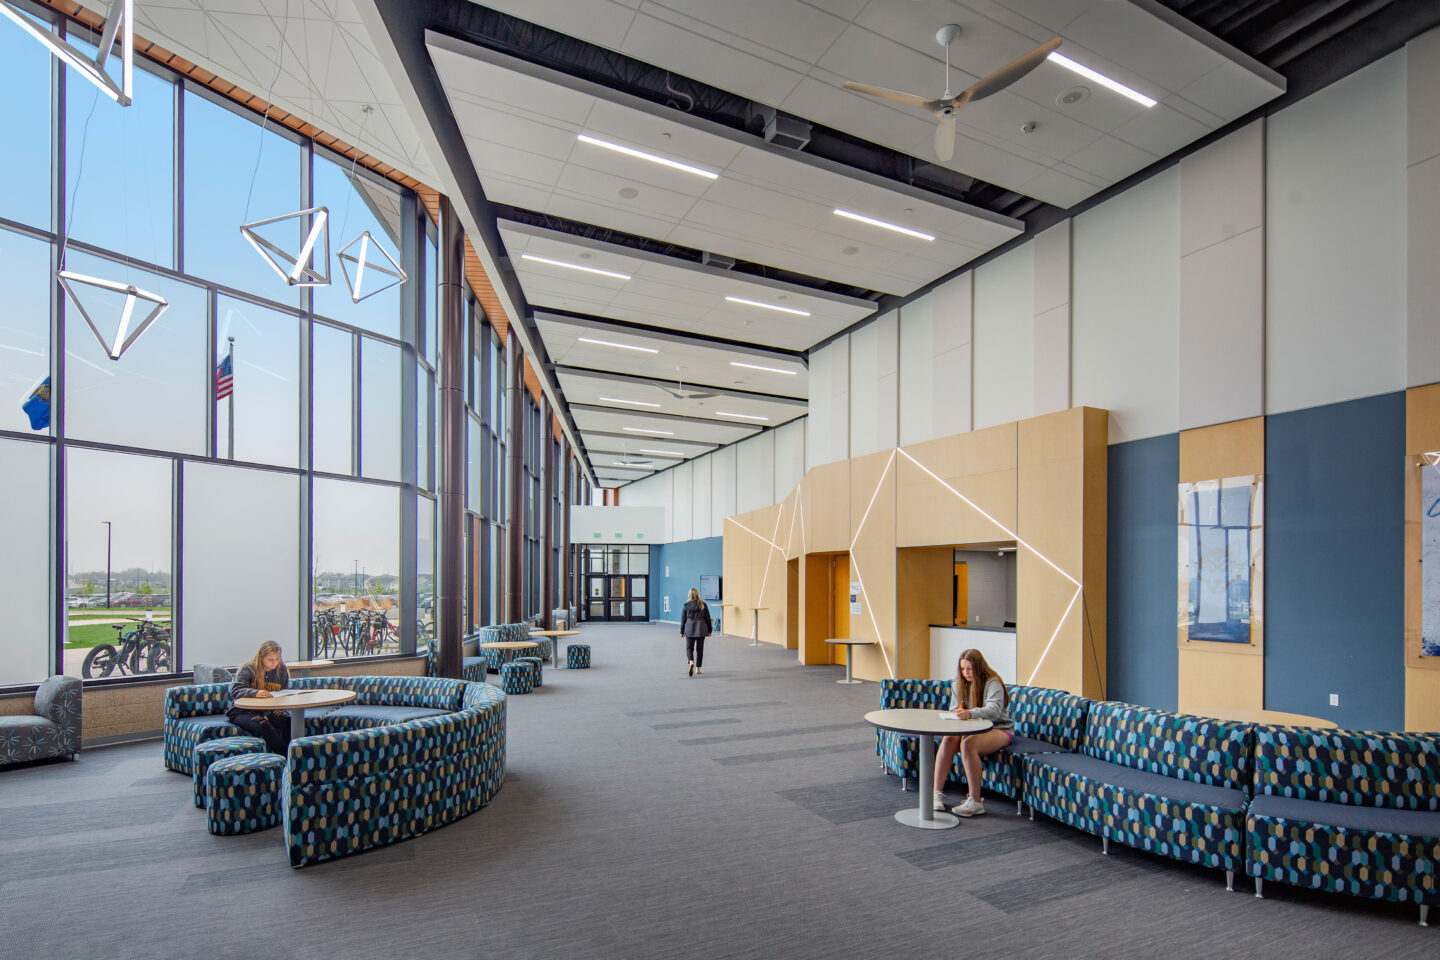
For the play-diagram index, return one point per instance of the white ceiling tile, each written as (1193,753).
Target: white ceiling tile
(654,41)
(1110,158)
(1159,130)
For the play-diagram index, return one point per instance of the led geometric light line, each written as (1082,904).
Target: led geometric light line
(642,155)
(574,266)
(119,24)
(855,562)
(361,261)
(769,558)
(296,272)
(1101,79)
(978,509)
(1046,651)
(757,536)
(128,331)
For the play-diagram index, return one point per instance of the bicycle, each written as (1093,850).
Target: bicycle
(145,649)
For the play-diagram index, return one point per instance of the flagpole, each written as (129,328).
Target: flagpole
(231,455)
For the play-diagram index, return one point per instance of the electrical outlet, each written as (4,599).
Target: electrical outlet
(1334,699)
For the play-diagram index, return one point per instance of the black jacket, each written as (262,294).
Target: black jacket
(695,619)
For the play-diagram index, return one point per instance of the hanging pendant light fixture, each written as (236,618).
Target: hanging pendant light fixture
(128,331)
(299,270)
(119,25)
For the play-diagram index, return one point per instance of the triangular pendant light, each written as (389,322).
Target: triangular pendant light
(298,270)
(119,24)
(128,330)
(362,263)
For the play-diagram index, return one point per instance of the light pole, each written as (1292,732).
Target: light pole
(107,563)
(357,578)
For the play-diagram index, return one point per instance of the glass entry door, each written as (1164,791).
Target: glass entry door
(617,583)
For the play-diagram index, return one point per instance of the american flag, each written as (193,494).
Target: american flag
(224,379)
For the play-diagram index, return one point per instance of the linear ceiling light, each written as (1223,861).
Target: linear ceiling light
(754,366)
(881,223)
(663,453)
(575,266)
(635,403)
(642,155)
(769,306)
(661,433)
(121,21)
(1101,79)
(742,416)
(622,346)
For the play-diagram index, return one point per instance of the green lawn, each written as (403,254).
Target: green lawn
(82,636)
(100,613)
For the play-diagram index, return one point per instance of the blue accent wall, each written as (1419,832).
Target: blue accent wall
(1142,657)
(687,559)
(1335,549)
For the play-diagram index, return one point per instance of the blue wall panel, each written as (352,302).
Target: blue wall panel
(1142,659)
(687,559)
(1335,548)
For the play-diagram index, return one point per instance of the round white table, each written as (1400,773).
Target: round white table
(297,704)
(925,724)
(554,637)
(849,654)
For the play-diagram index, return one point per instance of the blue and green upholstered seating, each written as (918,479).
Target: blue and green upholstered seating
(347,792)
(52,729)
(193,714)
(1167,783)
(242,793)
(517,676)
(577,656)
(535,668)
(208,752)
(471,668)
(1347,811)
(1046,721)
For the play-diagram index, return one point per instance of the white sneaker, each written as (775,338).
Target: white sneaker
(970,808)
(939,800)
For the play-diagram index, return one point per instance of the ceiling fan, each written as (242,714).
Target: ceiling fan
(947,105)
(625,460)
(680,393)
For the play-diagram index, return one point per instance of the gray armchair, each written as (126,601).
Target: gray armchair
(52,731)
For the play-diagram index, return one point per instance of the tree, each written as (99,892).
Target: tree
(145,589)
(89,589)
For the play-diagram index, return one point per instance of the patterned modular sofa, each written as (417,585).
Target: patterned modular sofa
(508,632)
(471,668)
(1347,811)
(1163,782)
(366,787)
(1046,721)
(407,755)
(52,730)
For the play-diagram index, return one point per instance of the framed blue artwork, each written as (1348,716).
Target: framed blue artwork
(1221,554)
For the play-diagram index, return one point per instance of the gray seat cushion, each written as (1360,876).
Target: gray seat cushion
(1021,746)
(1127,778)
(211,720)
(26,721)
(375,716)
(1409,823)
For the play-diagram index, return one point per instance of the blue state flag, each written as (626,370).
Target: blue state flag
(37,406)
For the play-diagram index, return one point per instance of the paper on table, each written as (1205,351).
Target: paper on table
(949,716)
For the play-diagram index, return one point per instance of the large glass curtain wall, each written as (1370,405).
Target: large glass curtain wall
(295,500)
(484,457)
(530,505)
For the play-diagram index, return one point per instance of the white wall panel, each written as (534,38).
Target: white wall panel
(829,421)
(917,367)
(1335,242)
(1422,289)
(656,490)
(722,487)
(789,457)
(681,520)
(700,509)
(1005,338)
(755,472)
(874,385)
(1052,319)
(1222,281)
(1126,308)
(952,327)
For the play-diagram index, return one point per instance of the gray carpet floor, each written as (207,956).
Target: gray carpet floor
(742,813)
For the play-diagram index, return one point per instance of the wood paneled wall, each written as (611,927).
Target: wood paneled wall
(1041,481)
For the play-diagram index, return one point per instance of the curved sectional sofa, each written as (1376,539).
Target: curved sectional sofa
(409,754)
(1339,810)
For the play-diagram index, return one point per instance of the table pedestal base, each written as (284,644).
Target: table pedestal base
(940,821)
(755,629)
(849,658)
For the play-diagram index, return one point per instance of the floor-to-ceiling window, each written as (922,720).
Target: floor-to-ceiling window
(260,462)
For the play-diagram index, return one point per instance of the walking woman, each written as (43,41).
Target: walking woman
(979,694)
(695,627)
(262,677)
